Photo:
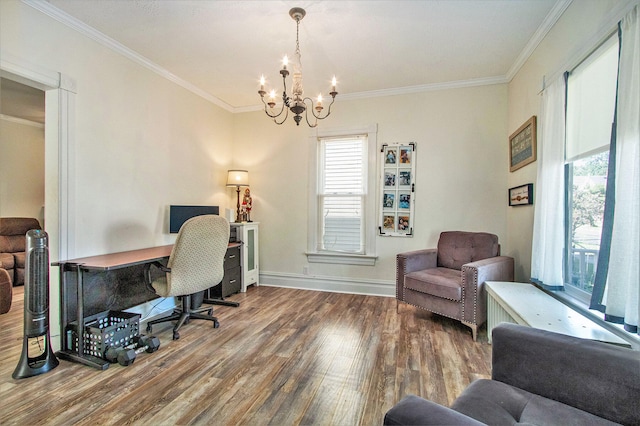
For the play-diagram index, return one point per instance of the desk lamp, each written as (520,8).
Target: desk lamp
(238,178)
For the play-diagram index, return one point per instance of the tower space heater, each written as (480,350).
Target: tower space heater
(37,356)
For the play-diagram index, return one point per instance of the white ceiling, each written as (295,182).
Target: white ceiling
(220,48)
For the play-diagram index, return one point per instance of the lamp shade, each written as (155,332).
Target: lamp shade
(238,178)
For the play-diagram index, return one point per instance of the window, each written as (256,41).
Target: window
(342,199)
(342,193)
(591,95)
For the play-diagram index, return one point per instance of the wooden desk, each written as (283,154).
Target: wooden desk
(90,285)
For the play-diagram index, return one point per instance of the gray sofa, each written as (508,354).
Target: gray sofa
(540,378)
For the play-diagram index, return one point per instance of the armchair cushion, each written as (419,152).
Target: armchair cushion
(456,248)
(441,282)
(494,402)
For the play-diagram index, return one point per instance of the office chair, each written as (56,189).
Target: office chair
(195,264)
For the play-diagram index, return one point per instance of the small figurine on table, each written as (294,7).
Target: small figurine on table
(246,203)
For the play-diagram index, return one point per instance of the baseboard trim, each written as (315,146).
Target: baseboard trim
(369,287)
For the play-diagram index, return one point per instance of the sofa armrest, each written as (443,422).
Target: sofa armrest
(410,262)
(413,410)
(596,377)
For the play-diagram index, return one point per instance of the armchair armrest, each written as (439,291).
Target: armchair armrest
(499,268)
(596,377)
(474,275)
(413,410)
(412,261)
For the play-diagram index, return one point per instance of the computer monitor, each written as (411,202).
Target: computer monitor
(180,214)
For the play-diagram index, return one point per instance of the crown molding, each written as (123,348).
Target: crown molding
(407,90)
(550,20)
(84,29)
(79,26)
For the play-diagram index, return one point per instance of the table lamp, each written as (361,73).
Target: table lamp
(238,178)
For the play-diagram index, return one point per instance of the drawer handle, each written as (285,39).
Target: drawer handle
(232,256)
(232,281)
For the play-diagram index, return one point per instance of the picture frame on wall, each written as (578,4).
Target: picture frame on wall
(522,145)
(397,189)
(521,195)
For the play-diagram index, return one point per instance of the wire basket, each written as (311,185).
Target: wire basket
(104,330)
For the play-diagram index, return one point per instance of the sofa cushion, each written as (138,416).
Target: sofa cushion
(494,402)
(441,282)
(20,258)
(456,248)
(7,260)
(5,291)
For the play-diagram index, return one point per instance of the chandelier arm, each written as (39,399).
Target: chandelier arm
(283,120)
(274,116)
(318,116)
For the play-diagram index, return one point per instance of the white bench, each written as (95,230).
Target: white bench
(525,304)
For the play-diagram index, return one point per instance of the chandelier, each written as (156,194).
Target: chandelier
(295,102)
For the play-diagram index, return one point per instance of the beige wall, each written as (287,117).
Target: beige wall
(140,142)
(461,161)
(580,29)
(21,169)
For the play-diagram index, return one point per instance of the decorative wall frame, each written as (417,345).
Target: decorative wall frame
(522,145)
(397,189)
(521,195)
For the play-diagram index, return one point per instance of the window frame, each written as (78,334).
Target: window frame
(314,255)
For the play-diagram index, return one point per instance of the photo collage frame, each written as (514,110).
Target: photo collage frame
(397,189)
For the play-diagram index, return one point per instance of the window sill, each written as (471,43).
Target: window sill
(341,258)
(595,316)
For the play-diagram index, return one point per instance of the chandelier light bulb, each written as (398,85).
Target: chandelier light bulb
(285,62)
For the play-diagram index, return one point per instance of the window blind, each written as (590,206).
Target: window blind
(341,194)
(591,98)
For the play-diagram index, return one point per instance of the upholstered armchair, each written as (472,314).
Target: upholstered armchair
(13,231)
(449,280)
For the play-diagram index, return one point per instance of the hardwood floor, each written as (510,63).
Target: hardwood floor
(284,357)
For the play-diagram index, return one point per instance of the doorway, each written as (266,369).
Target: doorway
(58,137)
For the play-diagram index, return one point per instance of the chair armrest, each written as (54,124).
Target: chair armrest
(499,268)
(474,275)
(596,377)
(412,261)
(147,273)
(418,260)
(413,410)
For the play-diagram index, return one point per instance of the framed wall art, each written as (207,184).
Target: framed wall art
(397,189)
(522,145)
(521,195)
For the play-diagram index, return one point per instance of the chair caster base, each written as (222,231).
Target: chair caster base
(176,335)
(216,324)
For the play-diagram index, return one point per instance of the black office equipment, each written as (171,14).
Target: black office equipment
(36,309)
(180,214)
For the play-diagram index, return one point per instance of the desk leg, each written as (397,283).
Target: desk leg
(79,356)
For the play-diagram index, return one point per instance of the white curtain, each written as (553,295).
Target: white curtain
(548,223)
(622,293)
